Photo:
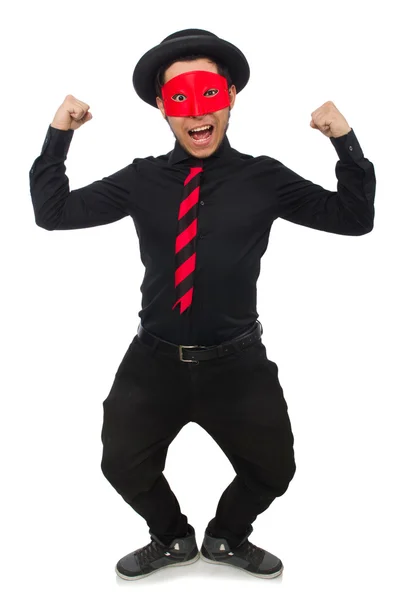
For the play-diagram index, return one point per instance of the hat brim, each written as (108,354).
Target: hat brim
(145,71)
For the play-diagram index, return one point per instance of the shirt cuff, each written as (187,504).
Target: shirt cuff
(347,147)
(57,142)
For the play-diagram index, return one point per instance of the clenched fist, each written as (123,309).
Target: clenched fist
(71,114)
(329,120)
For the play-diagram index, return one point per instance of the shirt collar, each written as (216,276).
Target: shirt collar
(179,154)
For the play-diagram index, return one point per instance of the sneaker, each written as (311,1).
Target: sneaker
(245,556)
(156,555)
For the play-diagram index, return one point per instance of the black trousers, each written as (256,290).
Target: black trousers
(237,399)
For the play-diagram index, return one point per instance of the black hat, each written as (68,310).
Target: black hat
(184,43)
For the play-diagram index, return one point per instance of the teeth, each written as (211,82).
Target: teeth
(201,128)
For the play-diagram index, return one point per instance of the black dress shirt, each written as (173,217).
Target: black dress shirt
(240,197)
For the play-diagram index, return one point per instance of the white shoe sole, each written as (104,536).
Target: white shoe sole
(181,564)
(224,564)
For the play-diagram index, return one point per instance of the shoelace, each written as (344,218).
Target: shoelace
(253,553)
(149,552)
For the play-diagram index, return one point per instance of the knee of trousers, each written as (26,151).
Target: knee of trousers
(275,481)
(286,478)
(271,482)
(288,475)
(131,478)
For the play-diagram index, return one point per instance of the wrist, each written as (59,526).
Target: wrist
(58,126)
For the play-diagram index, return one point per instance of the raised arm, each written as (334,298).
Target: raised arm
(347,211)
(55,206)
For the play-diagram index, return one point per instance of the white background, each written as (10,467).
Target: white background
(70,301)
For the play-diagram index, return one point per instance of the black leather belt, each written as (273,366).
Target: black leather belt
(194,354)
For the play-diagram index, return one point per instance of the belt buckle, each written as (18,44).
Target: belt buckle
(181,346)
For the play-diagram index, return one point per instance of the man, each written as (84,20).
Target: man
(203,214)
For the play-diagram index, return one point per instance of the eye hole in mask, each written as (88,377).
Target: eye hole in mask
(177,97)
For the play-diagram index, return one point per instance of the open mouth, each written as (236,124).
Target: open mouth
(201,135)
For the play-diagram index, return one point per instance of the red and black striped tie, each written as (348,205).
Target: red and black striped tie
(185,245)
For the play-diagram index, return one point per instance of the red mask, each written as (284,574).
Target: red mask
(193,85)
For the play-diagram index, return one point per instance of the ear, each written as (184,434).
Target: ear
(232,95)
(160,105)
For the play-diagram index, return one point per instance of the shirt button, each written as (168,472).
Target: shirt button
(201,235)
(350,148)
(201,201)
